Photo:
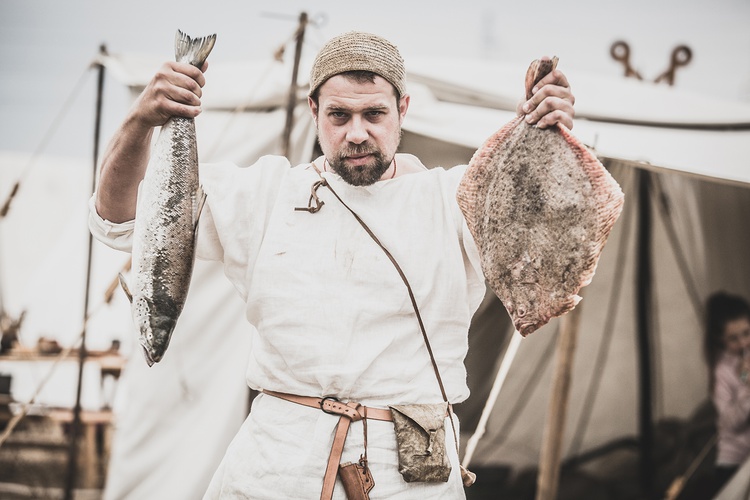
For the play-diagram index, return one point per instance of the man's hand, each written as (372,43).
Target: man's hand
(175,90)
(552,102)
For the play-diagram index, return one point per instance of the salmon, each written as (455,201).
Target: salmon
(540,207)
(169,203)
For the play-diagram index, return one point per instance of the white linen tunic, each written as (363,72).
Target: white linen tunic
(333,316)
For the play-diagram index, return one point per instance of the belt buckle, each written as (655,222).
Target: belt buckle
(330,398)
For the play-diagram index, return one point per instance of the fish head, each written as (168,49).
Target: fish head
(527,308)
(527,301)
(531,307)
(155,329)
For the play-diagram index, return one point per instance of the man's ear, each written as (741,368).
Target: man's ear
(403,106)
(313,109)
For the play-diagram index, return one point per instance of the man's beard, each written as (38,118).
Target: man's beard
(360,175)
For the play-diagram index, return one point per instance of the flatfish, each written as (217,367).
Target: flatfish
(540,207)
(169,204)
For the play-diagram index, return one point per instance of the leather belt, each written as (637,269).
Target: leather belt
(348,412)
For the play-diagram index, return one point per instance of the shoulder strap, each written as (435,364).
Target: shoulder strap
(408,288)
(467,476)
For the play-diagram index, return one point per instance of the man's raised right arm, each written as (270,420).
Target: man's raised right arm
(175,90)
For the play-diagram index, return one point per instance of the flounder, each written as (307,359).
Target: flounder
(540,207)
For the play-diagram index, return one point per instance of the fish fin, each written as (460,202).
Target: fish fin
(125,288)
(149,360)
(200,196)
(193,50)
(472,190)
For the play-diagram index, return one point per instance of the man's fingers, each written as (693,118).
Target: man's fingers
(551,110)
(182,96)
(555,78)
(548,92)
(174,108)
(557,116)
(186,76)
(551,102)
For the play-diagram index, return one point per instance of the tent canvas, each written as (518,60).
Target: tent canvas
(698,205)
(698,201)
(698,195)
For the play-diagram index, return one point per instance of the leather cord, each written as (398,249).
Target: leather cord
(411,297)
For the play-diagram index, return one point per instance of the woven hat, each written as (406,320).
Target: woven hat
(358,51)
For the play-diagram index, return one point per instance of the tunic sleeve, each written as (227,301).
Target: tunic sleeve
(115,235)
(231,226)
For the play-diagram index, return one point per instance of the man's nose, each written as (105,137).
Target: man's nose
(357,132)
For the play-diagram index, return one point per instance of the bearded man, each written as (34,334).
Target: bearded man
(320,253)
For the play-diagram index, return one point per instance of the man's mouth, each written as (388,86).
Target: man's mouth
(359,159)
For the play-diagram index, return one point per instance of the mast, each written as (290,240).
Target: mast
(76,425)
(292,100)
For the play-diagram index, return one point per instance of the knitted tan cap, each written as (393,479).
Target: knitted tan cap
(358,51)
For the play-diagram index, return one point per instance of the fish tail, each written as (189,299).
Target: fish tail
(538,70)
(193,50)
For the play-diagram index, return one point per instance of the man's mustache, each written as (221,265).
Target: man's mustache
(358,150)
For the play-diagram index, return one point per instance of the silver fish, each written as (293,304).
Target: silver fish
(169,203)
(540,207)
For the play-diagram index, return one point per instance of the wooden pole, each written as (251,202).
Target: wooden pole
(644,322)
(75,430)
(292,100)
(549,464)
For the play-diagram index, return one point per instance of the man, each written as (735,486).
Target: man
(333,317)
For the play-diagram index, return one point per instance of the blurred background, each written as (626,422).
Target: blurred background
(48,95)
(46,46)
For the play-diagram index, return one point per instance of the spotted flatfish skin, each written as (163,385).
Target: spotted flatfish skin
(169,202)
(540,207)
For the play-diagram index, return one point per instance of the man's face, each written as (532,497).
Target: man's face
(359,127)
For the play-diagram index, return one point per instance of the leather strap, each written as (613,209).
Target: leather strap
(349,412)
(402,275)
(411,297)
(313,209)
(334,459)
(332,405)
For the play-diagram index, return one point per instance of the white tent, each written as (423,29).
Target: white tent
(691,227)
(696,150)
(682,162)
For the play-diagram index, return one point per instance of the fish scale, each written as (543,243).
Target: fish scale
(168,207)
(540,207)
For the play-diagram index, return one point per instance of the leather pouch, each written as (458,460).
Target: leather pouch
(420,436)
(357,480)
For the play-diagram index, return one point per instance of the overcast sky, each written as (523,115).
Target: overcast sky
(46,46)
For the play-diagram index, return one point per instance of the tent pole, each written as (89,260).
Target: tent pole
(292,100)
(76,424)
(644,312)
(549,463)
